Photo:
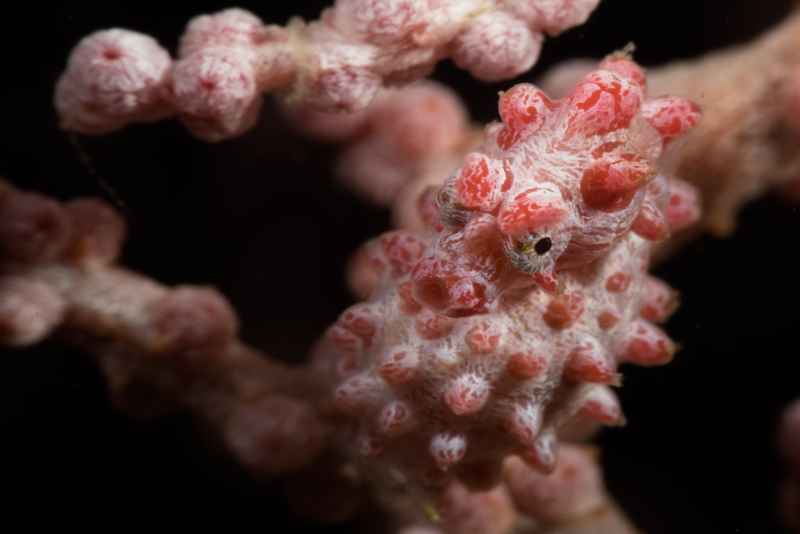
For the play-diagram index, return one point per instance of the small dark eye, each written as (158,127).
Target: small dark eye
(543,246)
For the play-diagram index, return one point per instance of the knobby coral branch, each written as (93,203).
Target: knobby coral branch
(228,59)
(159,348)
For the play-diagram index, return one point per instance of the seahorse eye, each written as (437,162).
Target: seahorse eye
(528,254)
(543,246)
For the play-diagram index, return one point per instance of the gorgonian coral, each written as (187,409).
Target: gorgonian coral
(339,62)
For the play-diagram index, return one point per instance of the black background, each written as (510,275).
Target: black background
(262,218)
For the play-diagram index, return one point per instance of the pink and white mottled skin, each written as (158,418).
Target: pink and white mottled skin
(483,337)
(229,59)
(789,445)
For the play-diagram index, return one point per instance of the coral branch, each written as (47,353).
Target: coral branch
(339,62)
(159,348)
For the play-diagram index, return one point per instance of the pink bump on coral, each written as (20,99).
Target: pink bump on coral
(604,101)
(646,344)
(601,405)
(337,63)
(188,318)
(395,419)
(228,28)
(344,82)
(671,116)
(113,77)
(659,300)
(380,21)
(516,314)
(588,362)
(33,227)
(447,449)
(98,231)
(496,46)
(552,16)
(467,394)
(214,92)
(683,205)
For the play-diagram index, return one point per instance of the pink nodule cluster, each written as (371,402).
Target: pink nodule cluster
(483,337)
(339,62)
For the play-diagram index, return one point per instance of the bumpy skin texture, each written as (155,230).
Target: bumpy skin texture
(483,338)
(337,63)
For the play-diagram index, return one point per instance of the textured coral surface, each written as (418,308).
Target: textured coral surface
(228,59)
